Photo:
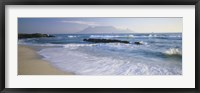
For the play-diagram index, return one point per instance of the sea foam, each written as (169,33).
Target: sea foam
(72,60)
(173,51)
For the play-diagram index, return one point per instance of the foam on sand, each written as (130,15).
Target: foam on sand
(30,64)
(78,62)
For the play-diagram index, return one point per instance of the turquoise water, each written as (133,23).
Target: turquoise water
(159,54)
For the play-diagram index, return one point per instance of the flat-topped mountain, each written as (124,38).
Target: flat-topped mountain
(103,30)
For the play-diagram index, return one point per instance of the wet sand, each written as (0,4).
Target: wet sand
(30,63)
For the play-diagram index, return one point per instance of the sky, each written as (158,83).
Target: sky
(74,25)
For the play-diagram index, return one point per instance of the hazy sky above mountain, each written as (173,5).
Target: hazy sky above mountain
(74,25)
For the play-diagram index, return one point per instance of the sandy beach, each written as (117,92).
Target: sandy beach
(30,63)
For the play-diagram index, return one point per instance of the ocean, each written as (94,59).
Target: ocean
(159,54)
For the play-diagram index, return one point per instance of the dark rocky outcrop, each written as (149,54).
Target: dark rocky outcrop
(138,43)
(35,35)
(105,40)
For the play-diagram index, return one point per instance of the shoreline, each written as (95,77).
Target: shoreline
(30,63)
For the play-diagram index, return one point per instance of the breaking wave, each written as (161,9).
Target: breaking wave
(173,51)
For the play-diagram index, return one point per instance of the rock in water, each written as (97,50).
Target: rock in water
(105,40)
(36,35)
(138,43)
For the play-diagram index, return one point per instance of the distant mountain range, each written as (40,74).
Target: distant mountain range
(103,30)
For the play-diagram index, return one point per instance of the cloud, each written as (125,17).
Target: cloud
(82,23)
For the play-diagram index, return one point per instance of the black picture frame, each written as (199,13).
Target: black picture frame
(99,2)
